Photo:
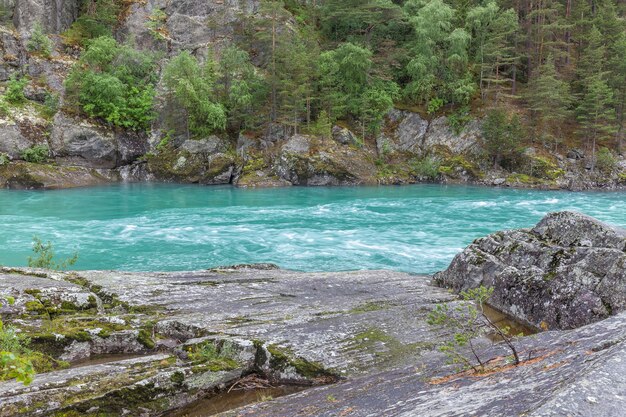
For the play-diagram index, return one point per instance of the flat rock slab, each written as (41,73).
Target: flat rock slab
(348,322)
(573,373)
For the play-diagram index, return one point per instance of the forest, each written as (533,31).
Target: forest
(543,71)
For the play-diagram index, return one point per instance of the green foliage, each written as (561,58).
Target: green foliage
(44,257)
(215,358)
(606,161)
(502,136)
(15,90)
(439,54)
(467,320)
(349,89)
(97,18)
(426,168)
(459,119)
(115,83)
(37,154)
(4,159)
(191,86)
(39,43)
(156,24)
(239,88)
(50,105)
(322,127)
(434,104)
(13,346)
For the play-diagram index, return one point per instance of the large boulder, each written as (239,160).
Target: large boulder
(304,160)
(204,161)
(443,137)
(76,142)
(568,271)
(408,132)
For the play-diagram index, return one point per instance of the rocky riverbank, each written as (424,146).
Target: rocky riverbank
(359,340)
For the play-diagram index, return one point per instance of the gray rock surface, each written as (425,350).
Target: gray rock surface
(12,141)
(409,132)
(572,373)
(78,143)
(54,15)
(305,160)
(568,271)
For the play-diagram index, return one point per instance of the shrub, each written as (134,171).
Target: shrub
(50,105)
(5,110)
(13,363)
(191,87)
(37,154)
(96,20)
(468,321)
(459,119)
(15,90)
(606,161)
(115,83)
(322,127)
(45,257)
(39,42)
(427,168)
(4,159)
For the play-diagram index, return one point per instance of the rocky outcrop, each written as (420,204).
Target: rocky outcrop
(54,15)
(286,326)
(570,373)
(28,176)
(78,143)
(408,132)
(204,161)
(568,271)
(185,25)
(305,160)
(12,141)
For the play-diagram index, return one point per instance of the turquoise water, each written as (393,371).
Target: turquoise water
(143,227)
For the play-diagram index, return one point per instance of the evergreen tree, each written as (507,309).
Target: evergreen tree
(493,31)
(596,112)
(550,99)
(191,87)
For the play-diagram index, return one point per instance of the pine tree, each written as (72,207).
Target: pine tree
(550,99)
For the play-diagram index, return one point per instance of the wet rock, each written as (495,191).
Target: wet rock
(568,271)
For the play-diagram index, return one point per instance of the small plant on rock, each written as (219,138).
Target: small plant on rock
(37,154)
(45,257)
(39,42)
(468,321)
(15,90)
(13,365)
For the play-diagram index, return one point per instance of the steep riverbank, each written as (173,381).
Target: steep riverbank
(365,333)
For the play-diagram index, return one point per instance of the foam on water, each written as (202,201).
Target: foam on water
(179,227)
